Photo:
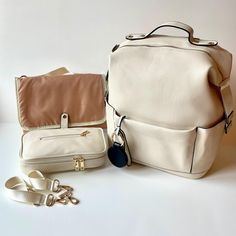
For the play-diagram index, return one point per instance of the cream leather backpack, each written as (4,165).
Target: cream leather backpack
(169,101)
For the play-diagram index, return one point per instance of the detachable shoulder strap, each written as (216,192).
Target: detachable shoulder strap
(35,190)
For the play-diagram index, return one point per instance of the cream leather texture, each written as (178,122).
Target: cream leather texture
(53,150)
(181,81)
(175,147)
(173,95)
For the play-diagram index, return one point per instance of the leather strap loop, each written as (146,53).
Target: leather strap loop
(177,25)
(64,120)
(39,182)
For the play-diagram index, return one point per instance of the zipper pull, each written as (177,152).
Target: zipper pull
(84,133)
(79,163)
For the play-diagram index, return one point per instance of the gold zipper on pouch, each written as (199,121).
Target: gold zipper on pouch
(79,163)
(83,134)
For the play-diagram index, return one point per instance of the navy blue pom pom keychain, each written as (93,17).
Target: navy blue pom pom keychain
(118,153)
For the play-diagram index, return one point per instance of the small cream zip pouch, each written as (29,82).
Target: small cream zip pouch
(54,150)
(62,116)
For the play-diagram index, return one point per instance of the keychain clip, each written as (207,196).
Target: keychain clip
(118,153)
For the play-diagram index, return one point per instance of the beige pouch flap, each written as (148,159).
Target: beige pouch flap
(42,100)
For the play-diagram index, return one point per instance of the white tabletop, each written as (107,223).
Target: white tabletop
(129,201)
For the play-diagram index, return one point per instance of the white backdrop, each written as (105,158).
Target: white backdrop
(38,36)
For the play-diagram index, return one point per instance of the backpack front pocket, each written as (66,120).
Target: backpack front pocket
(160,147)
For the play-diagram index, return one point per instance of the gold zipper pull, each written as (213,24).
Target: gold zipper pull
(76,164)
(84,133)
(79,163)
